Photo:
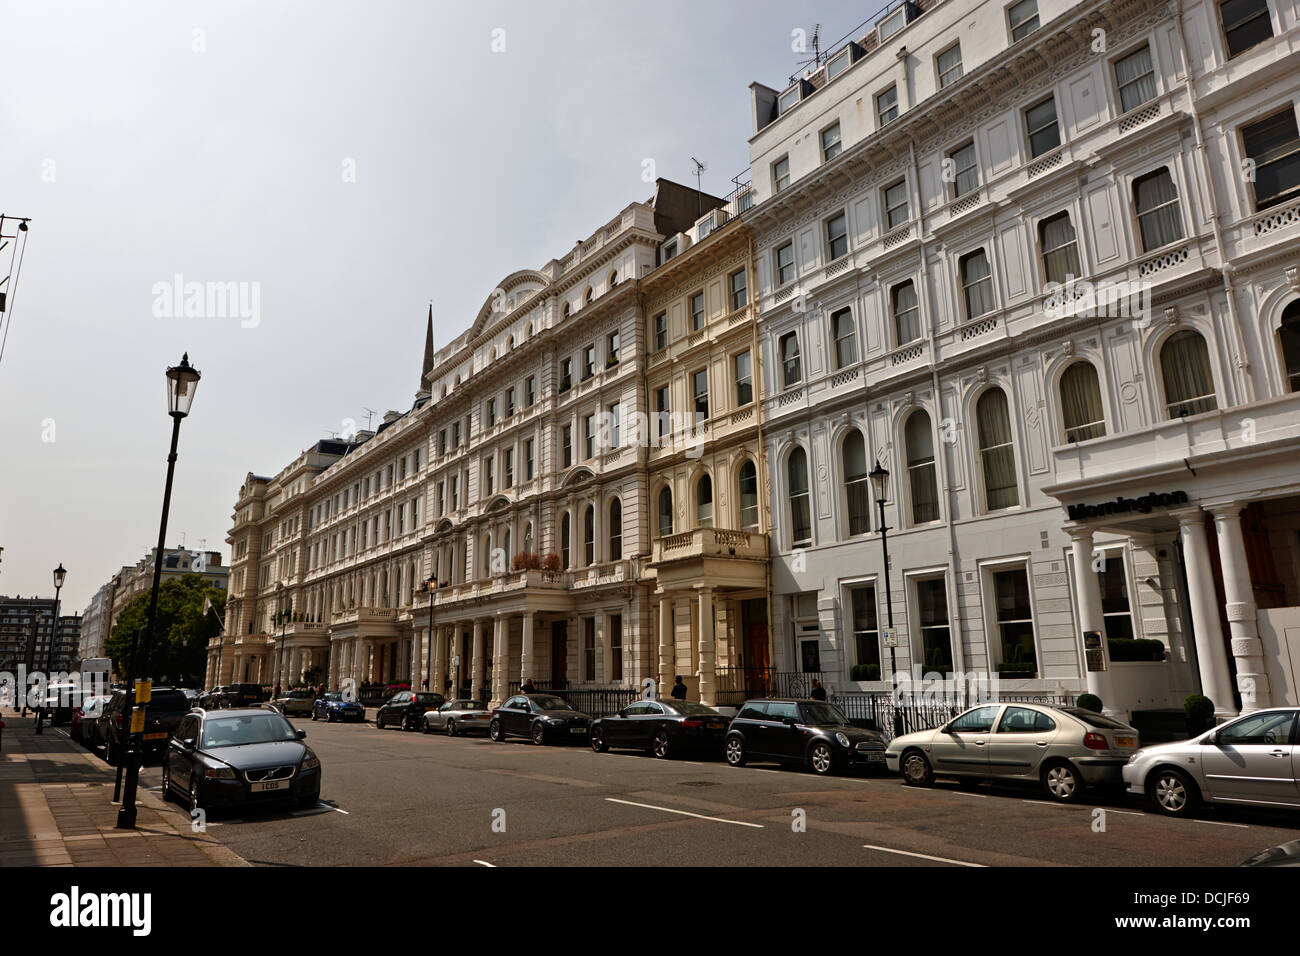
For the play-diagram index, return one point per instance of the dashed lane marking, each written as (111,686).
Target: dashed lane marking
(686,813)
(922,856)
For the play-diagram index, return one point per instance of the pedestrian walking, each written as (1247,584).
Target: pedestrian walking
(679,689)
(818,691)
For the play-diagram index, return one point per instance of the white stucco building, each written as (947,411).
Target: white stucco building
(925,198)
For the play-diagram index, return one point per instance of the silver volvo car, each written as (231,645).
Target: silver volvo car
(1253,760)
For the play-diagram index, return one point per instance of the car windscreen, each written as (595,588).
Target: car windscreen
(1094,720)
(823,714)
(689,707)
(246,729)
(468,705)
(552,703)
(301,694)
(333,695)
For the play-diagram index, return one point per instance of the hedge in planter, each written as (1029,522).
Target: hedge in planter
(865,672)
(1127,649)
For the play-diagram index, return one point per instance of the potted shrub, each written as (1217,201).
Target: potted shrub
(1089,702)
(1200,714)
(865,672)
(551,562)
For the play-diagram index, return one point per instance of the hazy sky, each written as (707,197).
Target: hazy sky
(355,160)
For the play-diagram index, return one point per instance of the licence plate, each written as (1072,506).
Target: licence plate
(267,785)
(875,756)
(716,725)
(577,730)
(1125,742)
(157,736)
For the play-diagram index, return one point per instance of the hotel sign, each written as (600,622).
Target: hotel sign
(1121,505)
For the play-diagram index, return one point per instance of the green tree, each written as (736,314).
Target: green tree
(181,632)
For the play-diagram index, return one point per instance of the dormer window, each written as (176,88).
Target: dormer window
(893,24)
(839,63)
(789,99)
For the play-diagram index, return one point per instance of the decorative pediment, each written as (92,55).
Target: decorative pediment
(511,292)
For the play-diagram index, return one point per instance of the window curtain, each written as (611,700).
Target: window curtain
(1290,337)
(1137,81)
(665,512)
(907,322)
(748,497)
(996,451)
(857,486)
(1158,213)
(920,468)
(1060,251)
(1185,366)
(1081,403)
(704,502)
(800,520)
(977,278)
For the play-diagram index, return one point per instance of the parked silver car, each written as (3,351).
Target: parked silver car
(456,717)
(295,703)
(1065,749)
(1253,760)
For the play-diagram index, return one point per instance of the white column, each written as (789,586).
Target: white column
(526,653)
(478,669)
(667,648)
(1211,658)
(1239,603)
(707,646)
(1087,592)
(500,665)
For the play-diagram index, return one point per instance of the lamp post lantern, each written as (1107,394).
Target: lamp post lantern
(182,383)
(880,488)
(59,575)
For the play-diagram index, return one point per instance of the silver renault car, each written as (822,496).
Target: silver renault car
(1253,760)
(1063,749)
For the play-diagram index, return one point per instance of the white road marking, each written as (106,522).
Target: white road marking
(923,856)
(335,809)
(963,793)
(685,813)
(1127,813)
(486,863)
(1220,823)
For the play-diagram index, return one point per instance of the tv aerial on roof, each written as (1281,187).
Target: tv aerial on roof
(815,60)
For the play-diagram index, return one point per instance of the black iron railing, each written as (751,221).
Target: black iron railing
(735,685)
(907,713)
(592,701)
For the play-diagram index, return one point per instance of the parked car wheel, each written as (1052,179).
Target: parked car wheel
(821,759)
(379,722)
(598,741)
(195,802)
(917,771)
(735,749)
(539,733)
(451,727)
(1173,792)
(660,746)
(496,731)
(1062,782)
(313,714)
(329,717)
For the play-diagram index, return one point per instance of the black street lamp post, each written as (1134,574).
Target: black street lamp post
(182,382)
(880,485)
(59,575)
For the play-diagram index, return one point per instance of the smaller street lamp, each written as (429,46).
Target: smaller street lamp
(59,575)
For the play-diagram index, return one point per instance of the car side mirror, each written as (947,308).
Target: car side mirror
(302,734)
(622,713)
(789,721)
(188,743)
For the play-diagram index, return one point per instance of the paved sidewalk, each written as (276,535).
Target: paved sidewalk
(56,809)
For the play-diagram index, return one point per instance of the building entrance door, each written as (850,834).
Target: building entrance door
(559,655)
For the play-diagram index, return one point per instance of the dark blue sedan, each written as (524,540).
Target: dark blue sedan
(333,707)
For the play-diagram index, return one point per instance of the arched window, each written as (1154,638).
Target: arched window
(800,517)
(1289,335)
(589,536)
(747,483)
(564,541)
(616,530)
(704,502)
(857,487)
(588,296)
(918,441)
(1081,403)
(1185,368)
(566,310)
(997,455)
(505,548)
(510,343)
(487,556)
(613,279)
(665,511)
(528,537)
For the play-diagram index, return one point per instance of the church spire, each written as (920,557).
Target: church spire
(428,350)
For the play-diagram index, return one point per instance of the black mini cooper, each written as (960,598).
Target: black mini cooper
(811,733)
(233,757)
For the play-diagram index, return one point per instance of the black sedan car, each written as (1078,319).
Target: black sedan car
(407,708)
(162,714)
(662,727)
(333,706)
(542,718)
(240,756)
(813,733)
